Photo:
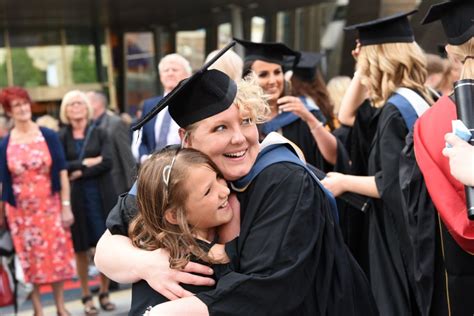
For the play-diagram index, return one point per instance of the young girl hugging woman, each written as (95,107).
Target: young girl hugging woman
(182,197)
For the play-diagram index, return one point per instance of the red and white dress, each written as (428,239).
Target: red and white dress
(43,246)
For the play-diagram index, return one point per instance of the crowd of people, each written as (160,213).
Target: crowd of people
(58,186)
(260,190)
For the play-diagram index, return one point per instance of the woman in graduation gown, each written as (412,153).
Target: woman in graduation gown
(388,59)
(289,258)
(267,60)
(435,201)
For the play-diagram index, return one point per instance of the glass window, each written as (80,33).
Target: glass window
(284,27)
(80,57)
(36,58)
(224,34)
(141,73)
(81,64)
(191,45)
(3,62)
(257,29)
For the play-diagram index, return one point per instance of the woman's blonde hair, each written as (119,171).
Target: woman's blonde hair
(250,99)
(386,67)
(67,99)
(460,52)
(150,229)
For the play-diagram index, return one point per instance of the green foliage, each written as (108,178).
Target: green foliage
(25,74)
(83,66)
(3,75)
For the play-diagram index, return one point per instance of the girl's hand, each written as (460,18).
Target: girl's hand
(334,182)
(295,105)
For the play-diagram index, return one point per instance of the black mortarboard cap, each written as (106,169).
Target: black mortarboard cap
(277,53)
(205,93)
(457,18)
(391,29)
(307,66)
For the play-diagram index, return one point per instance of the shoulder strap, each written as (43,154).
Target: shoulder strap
(275,154)
(410,105)
(415,100)
(279,121)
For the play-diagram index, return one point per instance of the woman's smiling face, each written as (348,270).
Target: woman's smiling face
(270,77)
(229,139)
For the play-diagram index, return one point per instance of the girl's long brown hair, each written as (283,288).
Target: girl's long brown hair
(318,92)
(150,229)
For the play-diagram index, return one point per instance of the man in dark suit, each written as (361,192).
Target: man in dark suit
(162,130)
(123,168)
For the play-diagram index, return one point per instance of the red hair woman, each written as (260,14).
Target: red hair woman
(36,194)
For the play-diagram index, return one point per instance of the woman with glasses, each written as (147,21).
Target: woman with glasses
(89,162)
(36,195)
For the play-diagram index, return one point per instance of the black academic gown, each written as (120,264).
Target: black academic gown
(443,270)
(290,258)
(390,258)
(352,158)
(299,133)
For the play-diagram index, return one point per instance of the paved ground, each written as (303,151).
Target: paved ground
(74,305)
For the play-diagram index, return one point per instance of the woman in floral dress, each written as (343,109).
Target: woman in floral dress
(36,192)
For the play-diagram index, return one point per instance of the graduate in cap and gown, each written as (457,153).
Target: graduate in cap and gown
(289,114)
(392,68)
(435,201)
(289,257)
(307,84)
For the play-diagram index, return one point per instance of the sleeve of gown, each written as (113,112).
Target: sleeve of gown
(391,142)
(279,233)
(121,215)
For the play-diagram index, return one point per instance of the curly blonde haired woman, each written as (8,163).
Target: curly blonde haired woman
(388,59)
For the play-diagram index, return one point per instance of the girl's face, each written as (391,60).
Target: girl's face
(270,78)
(206,204)
(230,140)
(20,110)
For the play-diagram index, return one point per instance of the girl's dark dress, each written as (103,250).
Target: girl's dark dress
(144,296)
